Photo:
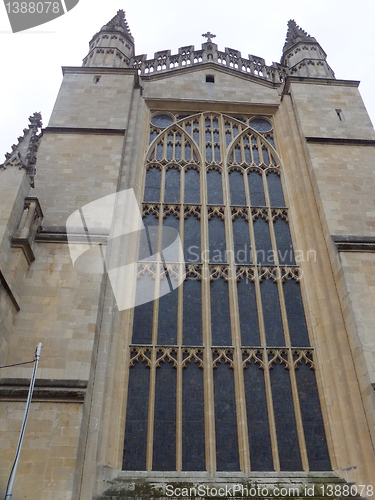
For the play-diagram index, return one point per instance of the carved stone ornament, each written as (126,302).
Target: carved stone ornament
(24,153)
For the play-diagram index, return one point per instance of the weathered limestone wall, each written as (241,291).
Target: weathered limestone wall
(191,85)
(316,103)
(86,102)
(79,161)
(59,308)
(75,169)
(340,176)
(14,187)
(49,454)
(345,180)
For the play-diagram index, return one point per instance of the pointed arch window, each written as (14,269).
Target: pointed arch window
(220,357)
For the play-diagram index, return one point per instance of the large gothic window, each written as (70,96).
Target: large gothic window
(221,373)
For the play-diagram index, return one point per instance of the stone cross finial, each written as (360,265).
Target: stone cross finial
(209,35)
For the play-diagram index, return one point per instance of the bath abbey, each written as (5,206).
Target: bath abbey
(191,239)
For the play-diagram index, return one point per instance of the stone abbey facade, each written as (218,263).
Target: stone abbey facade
(191,238)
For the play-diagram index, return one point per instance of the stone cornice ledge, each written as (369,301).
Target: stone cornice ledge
(84,130)
(354,243)
(341,141)
(317,81)
(97,70)
(16,389)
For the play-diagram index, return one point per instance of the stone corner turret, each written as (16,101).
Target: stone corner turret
(303,55)
(112,46)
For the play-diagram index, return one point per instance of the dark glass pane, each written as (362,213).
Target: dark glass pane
(247,156)
(256,155)
(260,125)
(172,186)
(275,190)
(209,153)
(227,458)
(237,154)
(149,238)
(257,198)
(208,136)
(214,188)
(217,154)
(192,186)
(159,151)
(162,121)
(296,314)
(216,136)
(248,313)
(270,140)
(215,123)
(171,231)
(152,185)
(216,231)
(188,128)
(153,135)
(273,324)
(263,244)
(220,316)
(187,152)
(235,130)
(143,312)
(192,239)
(286,429)
(177,151)
(169,151)
(257,419)
(207,122)
(135,443)
(193,439)
(196,135)
(266,158)
(285,251)
(316,444)
(164,452)
(241,237)
(237,189)
(168,304)
(228,137)
(192,316)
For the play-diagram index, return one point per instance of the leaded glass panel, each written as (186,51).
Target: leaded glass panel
(193,440)
(220,315)
(164,449)
(152,186)
(257,418)
(214,188)
(225,419)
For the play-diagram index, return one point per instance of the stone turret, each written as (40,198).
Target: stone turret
(112,46)
(303,55)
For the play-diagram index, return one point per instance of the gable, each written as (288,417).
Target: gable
(229,86)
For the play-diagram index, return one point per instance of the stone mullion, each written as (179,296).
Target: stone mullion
(179,411)
(151,411)
(297,412)
(159,271)
(243,438)
(206,315)
(271,414)
(267,379)
(262,331)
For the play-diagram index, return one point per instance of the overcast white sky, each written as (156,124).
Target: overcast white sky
(31,61)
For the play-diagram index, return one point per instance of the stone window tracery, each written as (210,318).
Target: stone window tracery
(221,366)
